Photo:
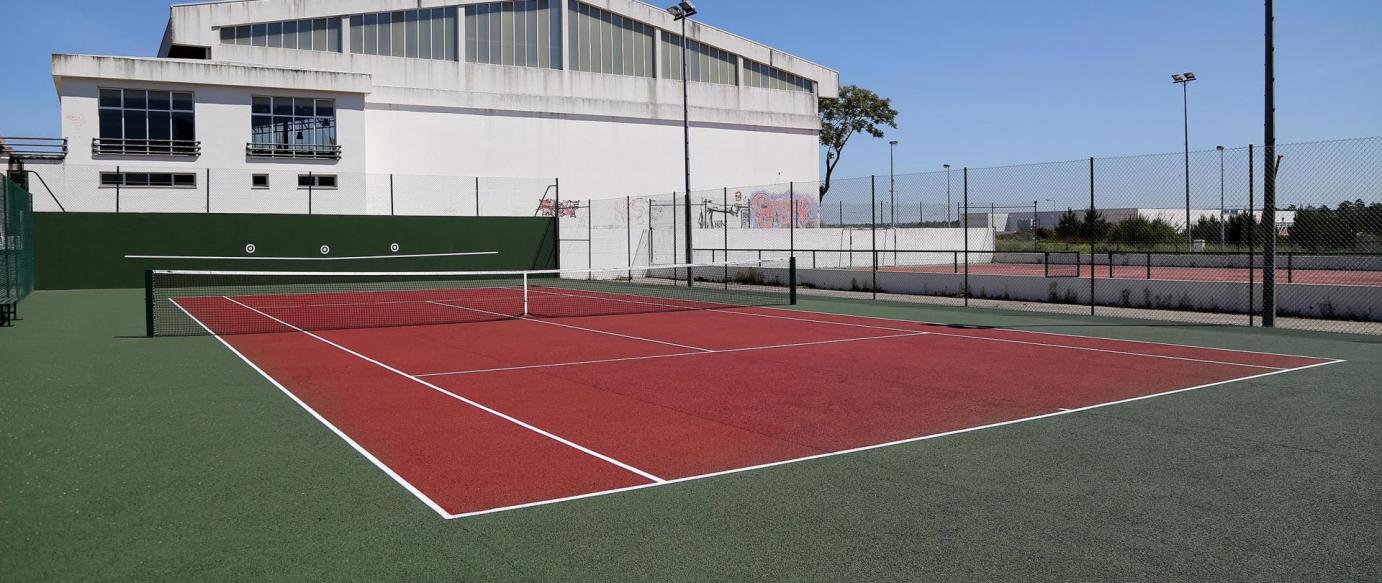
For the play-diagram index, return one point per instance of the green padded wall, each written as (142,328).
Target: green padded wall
(87,250)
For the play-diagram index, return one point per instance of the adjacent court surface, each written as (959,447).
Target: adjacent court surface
(1334,277)
(505,413)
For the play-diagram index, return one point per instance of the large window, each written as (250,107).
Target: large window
(429,33)
(706,64)
(146,122)
(760,75)
(604,42)
(526,33)
(293,127)
(313,34)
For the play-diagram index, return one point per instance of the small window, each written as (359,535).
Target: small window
(149,179)
(259,181)
(316,181)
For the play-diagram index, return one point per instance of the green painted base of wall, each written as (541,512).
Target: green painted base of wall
(87,250)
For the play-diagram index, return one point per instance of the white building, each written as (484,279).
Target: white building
(379,106)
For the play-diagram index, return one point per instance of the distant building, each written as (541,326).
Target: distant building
(251,102)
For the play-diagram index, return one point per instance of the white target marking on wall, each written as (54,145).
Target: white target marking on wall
(394,248)
(326,249)
(250,248)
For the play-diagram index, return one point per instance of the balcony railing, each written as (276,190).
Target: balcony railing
(33,148)
(293,151)
(122,147)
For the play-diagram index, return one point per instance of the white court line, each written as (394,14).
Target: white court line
(341,434)
(1059,334)
(1057,413)
(581,328)
(953,335)
(677,355)
(1048,345)
(247,258)
(474,404)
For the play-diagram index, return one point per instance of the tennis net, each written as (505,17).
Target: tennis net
(189,303)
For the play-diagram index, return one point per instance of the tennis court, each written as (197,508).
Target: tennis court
(501,393)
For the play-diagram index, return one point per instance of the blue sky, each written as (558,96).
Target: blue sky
(977,83)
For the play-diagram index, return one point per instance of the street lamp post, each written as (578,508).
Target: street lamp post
(683,12)
(1223,228)
(1184,82)
(892,179)
(947,195)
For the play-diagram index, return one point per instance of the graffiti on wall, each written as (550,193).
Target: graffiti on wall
(774,210)
(550,208)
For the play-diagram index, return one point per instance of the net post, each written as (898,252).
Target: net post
(792,280)
(149,303)
(556,233)
(526,312)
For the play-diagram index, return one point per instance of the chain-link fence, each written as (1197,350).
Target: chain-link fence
(16,248)
(1169,236)
(152,189)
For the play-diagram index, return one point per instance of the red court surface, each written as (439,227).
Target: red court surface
(1207,274)
(486,416)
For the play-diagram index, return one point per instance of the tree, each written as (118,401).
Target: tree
(1140,231)
(857,110)
(1070,225)
(1095,228)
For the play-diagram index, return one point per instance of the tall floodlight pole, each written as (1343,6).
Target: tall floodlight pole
(1273,163)
(892,178)
(683,12)
(947,195)
(1223,228)
(1184,82)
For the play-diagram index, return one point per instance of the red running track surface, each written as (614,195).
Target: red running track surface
(488,416)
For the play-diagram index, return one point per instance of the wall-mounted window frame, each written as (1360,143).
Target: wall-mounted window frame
(705,63)
(768,77)
(601,41)
(314,181)
(522,33)
(123,179)
(146,122)
(427,33)
(259,181)
(309,34)
(293,127)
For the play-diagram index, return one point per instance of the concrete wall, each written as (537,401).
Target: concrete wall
(1312,301)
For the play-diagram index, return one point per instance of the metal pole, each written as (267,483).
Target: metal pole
(1269,181)
(628,232)
(726,257)
(477,196)
(947,196)
(892,181)
(208,191)
(1223,228)
(1252,252)
(964,217)
(556,224)
(311,182)
(589,238)
(686,132)
(120,179)
(391,204)
(1185,97)
(1036,245)
(873,230)
(1091,236)
(792,220)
